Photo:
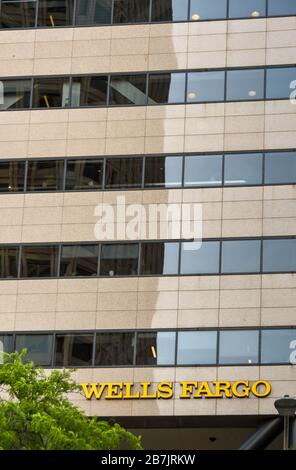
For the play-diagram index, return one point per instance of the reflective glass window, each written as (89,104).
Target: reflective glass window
(39,348)
(9,256)
(51,92)
(159,258)
(241,256)
(200,259)
(281,7)
(55,13)
(114,349)
(73,350)
(243,169)
(84,174)
(89,91)
(123,173)
(15,94)
(155,348)
(79,260)
(207,9)
(6,346)
(12,176)
(169,10)
(203,170)
(197,347)
(18,14)
(131,11)
(205,86)
(280,167)
(45,175)
(279,255)
(119,260)
(127,89)
(247,8)
(278,346)
(245,85)
(239,347)
(166,88)
(93,12)
(39,261)
(280,82)
(163,172)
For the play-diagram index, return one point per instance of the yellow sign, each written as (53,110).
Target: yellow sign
(183,390)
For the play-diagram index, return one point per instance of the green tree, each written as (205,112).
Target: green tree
(36,414)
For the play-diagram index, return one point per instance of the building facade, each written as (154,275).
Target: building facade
(152,102)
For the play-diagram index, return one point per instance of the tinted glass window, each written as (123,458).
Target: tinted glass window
(19,14)
(243,169)
(9,261)
(89,91)
(204,260)
(278,82)
(163,172)
(55,13)
(114,349)
(207,9)
(123,173)
(285,342)
(39,348)
(279,255)
(84,174)
(131,11)
(245,85)
(119,260)
(93,12)
(247,8)
(166,88)
(155,348)
(45,175)
(128,89)
(6,346)
(205,86)
(169,10)
(15,94)
(12,176)
(197,347)
(39,261)
(159,258)
(239,347)
(79,260)
(280,167)
(51,92)
(203,170)
(73,350)
(241,256)
(281,7)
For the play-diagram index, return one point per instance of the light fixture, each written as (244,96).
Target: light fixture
(191,95)
(252,93)
(195,17)
(255,13)
(286,407)
(153,350)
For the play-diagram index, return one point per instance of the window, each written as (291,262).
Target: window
(51,92)
(55,13)
(277,346)
(241,256)
(73,350)
(197,347)
(247,8)
(79,260)
(159,258)
(280,167)
(281,7)
(279,82)
(207,9)
(39,261)
(163,172)
(155,348)
(9,256)
(6,346)
(119,260)
(45,175)
(166,88)
(89,91)
(123,173)
(93,12)
(84,174)
(245,85)
(12,176)
(243,169)
(169,10)
(205,86)
(279,255)
(203,260)
(18,14)
(203,170)
(15,94)
(114,349)
(39,348)
(131,11)
(127,89)
(239,347)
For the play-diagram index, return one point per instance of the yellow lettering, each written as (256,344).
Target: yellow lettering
(145,391)
(128,392)
(223,388)
(165,390)
(187,388)
(245,389)
(94,389)
(114,391)
(260,383)
(204,389)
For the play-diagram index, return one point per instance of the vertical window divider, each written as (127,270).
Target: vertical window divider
(53,349)
(260,345)
(26,176)
(188,10)
(265,86)
(147,88)
(263,169)
(139,258)
(143,171)
(94,348)
(227,9)
(74,12)
(36,13)
(176,346)
(59,260)
(179,261)
(104,174)
(218,346)
(108,89)
(186,90)
(223,170)
(31,93)
(261,256)
(220,257)
(183,173)
(19,261)
(135,347)
(225,88)
(150,12)
(65,173)
(112,11)
(70,91)
(99,260)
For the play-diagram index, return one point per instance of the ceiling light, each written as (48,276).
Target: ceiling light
(153,350)
(252,93)
(195,17)
(255,13)
(191,95)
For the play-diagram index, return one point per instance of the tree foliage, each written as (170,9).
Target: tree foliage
(36,414)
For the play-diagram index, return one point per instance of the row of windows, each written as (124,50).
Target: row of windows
(231,256)
(53,13)
(247,84)
(175,171)
(156,348)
